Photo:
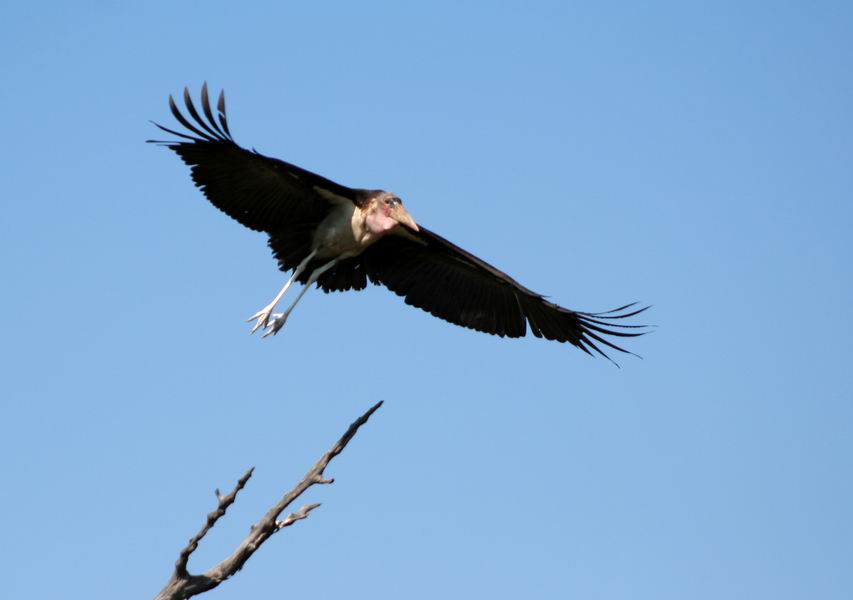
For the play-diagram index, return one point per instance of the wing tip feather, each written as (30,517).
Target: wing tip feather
(204,131)
(594,328)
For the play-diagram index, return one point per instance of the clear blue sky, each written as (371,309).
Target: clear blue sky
(696,156)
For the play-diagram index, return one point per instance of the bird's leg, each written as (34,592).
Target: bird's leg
(263,315)
(277,320)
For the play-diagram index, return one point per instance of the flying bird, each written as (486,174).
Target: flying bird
(341,238)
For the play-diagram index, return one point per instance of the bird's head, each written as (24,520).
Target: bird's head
(385,212)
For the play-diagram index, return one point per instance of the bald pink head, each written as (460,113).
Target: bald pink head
(386,212)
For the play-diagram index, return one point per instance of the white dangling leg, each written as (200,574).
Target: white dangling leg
(277,320)
(263,315)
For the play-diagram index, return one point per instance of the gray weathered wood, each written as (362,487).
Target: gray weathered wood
(184,584)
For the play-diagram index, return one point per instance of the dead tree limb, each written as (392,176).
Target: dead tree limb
(184,584)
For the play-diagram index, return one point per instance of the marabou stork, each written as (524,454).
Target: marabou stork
(340,238)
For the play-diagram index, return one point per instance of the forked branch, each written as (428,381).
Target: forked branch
(184,584)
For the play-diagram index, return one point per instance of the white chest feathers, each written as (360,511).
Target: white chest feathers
(344,232)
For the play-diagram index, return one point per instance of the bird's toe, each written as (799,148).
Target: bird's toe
(275,323)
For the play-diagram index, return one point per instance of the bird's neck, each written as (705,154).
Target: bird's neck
(379,223)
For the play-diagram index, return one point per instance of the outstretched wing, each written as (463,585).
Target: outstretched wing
(262,193)
(437,276)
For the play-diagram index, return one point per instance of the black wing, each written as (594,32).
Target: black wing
(437,276)
(262,193)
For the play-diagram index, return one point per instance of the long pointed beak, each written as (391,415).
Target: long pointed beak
(406,219)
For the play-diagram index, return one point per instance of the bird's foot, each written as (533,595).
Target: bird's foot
(276,322)
(262,317)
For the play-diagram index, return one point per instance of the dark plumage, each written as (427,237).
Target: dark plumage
(342,238)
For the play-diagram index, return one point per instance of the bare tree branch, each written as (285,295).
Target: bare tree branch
(183,584)
(224,503)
